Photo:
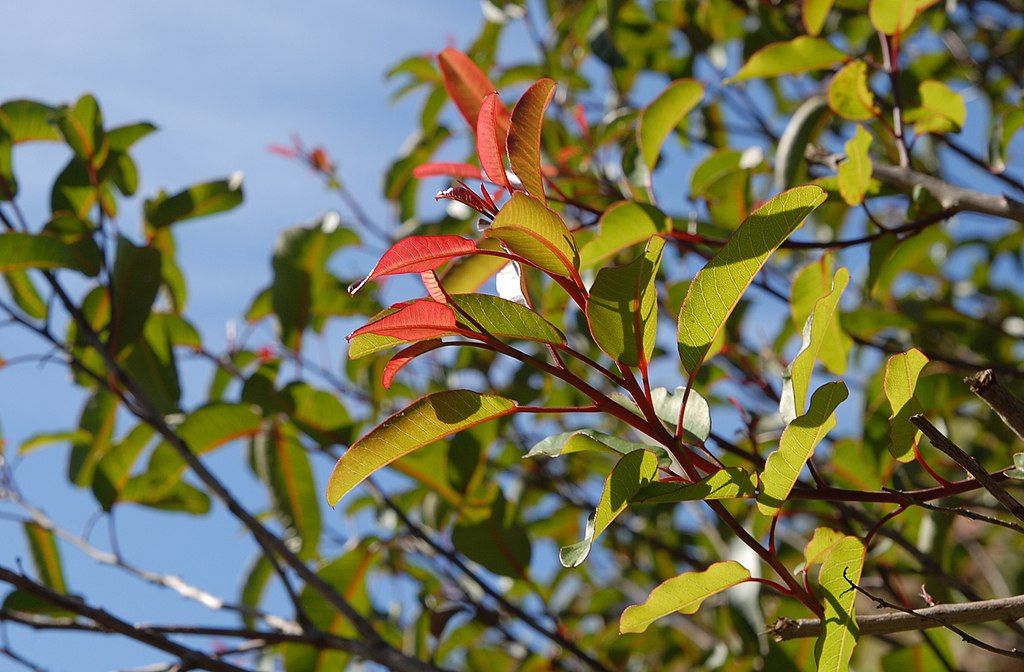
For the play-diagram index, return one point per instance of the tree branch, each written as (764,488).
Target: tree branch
(1001,400)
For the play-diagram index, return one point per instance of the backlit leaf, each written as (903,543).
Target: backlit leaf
(841,568)
(942,110)
(461,171)
(849,95)
(622,226)
(683,594)
(900,382)
(821,544)
(658,119)
(727,483)
(426,420)
(490,140)
(45,555)
(536,233)
(801,54)
(717,288)
(416,254)
(503,319)
(524,136)
(814,14)
(854,173)
(892,17)
(29,120)
(465,82)
(20,251)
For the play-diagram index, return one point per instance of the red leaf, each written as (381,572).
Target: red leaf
(490,142)
(398,362)
(524,136)
(416,254)
(465,82)
(433,286)
(414,321)
(467,196)
(462,171)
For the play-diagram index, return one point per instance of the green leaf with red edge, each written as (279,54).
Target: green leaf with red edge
(683,594)
(536,233)
(801,54)
(426,420)
(499,542)
(136,281)
(416,254)
(623,308)
(524,136)
(900,384)
(716,289)
(465,82)
(663,114)
(490,141)
(622,226)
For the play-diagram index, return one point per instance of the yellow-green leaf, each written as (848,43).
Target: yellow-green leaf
(814,14)
(623,308)
(841,568)
(796,445)
(821,544)
(892,17)
(536,233)
(901,374)
(45,557)
(426,420)
(727,483)
(942,109)
(502,318)
(684,594)
(622,226)
(811,283)
(801,54)
(663,114)
(19,251)
(849,95)
(717,288)
(854,174)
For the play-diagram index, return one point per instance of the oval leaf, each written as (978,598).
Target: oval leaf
(622,226)
(802,54)
(849,95)
(465,82)
(524,136)
(537,234)
(900,383)
(416,254)
(684,594)
(663,114)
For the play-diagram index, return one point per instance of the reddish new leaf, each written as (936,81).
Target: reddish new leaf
(465,82)
(398,362)
(490,141)
(433,286)
(460,171)
(414,321)
(417,254)
(467,196)
(524,136)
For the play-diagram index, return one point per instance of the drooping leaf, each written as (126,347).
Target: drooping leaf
(854,174)
(524,136)
(942,110)
(426,420)
(814,14)
(42,546)
(815,334)
(801,54)
(623,308)
(841,568)
(136,280)
(849,95)
(490,140)
(797,444)
(403,358)
(696,418)
(632,472)
(499,542)
(663,114)
(114,469)
(537,234)
(727,483)
(683,594)
(416,254)
(29,121)
(24,293)
(200,200)
(717,288)
(900,382)
(467,85)
(20,251)
(622,226)
(804,125)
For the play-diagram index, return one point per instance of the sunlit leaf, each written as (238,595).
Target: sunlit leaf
(849,95)
(491,139)
(415,254)
(696,418)
(814,14)
(900,382)
(727,483)
(854,173)
(200,200)
(801,54)
(20,251)
(820,545)
(524,136)
(942,110)
(658,119)
(465,82)
(622,226)
(683,594)
(841,568)
(29,120)
(536,233)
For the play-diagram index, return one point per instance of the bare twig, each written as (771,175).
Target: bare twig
(1003,402)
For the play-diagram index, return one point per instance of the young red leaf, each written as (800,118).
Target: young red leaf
(414,321)
(467,196)
(417,254)
(398,362)
(433,286)
(490,141)
(524,136)
(461,171)
(465,82)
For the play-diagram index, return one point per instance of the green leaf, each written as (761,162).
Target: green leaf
(503,319)
(683,594)
(892,17)
(318,414)
(589,440)
(805,124)
(114,469)
(256,580)
(820,545)
(136,281)
(622,226)
(28,120)
(426,420)
(122,138)
(849,95)
(727,483)
(696,418)
(717,288)
(200,200)
(900,382)
(280,461)
(96,428)
(536,233)
(814,14)
(658,119)
(811,283)
(25,294)
(815,335)
(623,307)
(524,136)
(42,546)
(801,54)
(20,251)
(854,173)
(797,444)
(842,567)
(1009,124)
(499,542)
(631,473)
(942,109)
(82,128)
(41,440)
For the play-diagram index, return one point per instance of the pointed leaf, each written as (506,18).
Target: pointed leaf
(684,594)
(416,254)
(622,226)
(942,109)
(490,141)
(801,54)
(42,546)
(503,319)
(849,95)
(199,200)
(462,171)
(136,281)
(854,173)
(465,82)
(796,445)
(814,14)
(623,308)
(663,114)
(842,567)
(728,483)
(524,136)
(20,251)
(398,362)
(900,381)
(426,420)
(413,321)
(537,234)
(717,288)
